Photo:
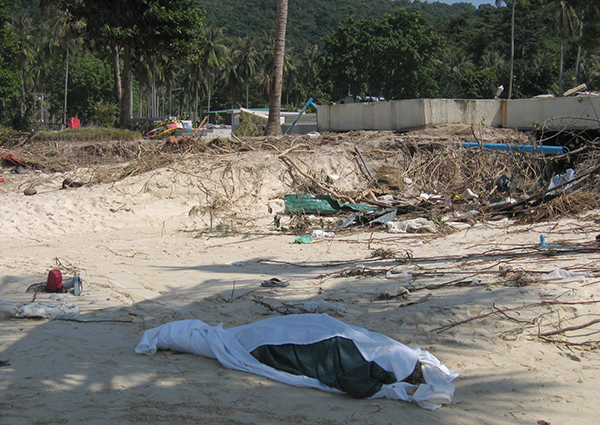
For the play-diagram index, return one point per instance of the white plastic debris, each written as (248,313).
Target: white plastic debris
(391,290)
(561,179)
(429,196)
(563,276)
(64,310)
(465,214)
(237,263)
(468,194)
(417,225)
(504,202)
(322,234)
(417,244)
(386,198)
(398,276)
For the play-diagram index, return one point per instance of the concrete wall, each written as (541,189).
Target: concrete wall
(393,115)
(553,113)
(467,111)
(527,114)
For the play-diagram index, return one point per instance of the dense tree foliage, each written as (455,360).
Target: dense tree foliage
(74,58)
(390,58)
(90,82)
(145,27)
(8,53)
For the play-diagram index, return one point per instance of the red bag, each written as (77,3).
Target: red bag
(55,279)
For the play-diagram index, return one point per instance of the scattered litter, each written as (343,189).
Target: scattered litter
(417,225)
(391,290)
(468,194)
(54,283)
(322,234)
(62,311)
(274,283)
(386,198)
(505,184)
(560,181)
(304,239)
(319,204)
(564,276)
(399,276)
(237,263)
(462,215)
(11,158)
(30,191)
(475,282)
(313,134)
(428,197)
(416,244)
(385,215)
(501,202)
(543,243)
(16,170)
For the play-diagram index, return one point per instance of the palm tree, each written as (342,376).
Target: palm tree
(590,70)
(563,18)
(268,56)
(492,59)
(212,53)
(43,56)
(247,61)
(512,4)
(457,61)
(273,125)
(21,26)
(195,76)
(308,69)
(232,78)
(61,32)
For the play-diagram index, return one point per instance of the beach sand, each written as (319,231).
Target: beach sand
(146,253)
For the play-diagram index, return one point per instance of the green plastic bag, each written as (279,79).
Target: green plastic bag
(304,239)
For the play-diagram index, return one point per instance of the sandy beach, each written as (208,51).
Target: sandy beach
(195,239)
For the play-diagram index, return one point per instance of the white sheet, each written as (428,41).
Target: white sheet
(232,347)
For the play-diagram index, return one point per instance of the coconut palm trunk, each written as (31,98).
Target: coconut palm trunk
(117,74)
(66,86)
(512,49)
(273,124)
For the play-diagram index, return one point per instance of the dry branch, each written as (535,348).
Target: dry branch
(569,328)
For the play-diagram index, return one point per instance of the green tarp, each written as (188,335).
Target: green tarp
(320,204)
